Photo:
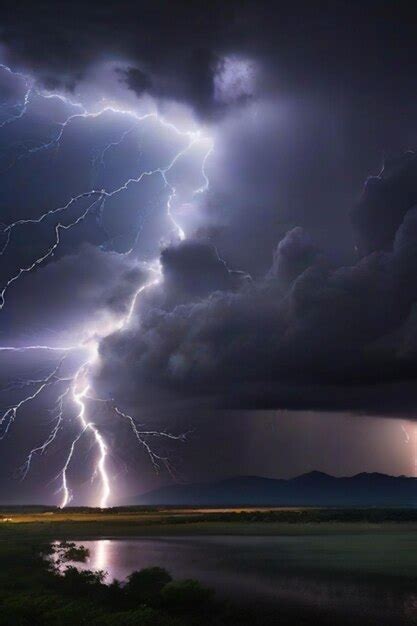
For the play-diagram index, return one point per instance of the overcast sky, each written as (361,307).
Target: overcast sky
(235,250)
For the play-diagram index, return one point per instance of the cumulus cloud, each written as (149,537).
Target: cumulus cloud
(281,161)
(294,254)
(384,202)
(193,270)
(306,335)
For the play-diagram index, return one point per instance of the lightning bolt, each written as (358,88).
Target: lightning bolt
(409,439)
(102,196)
(77,387)
(22,108)
(41,449)
(11,412)
(79,392)
(114,144)
(406,435)
(142,435)
(49,252)
(38,348)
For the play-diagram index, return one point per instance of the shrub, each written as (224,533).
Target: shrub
(143,616)
(146,585)
(81,583)
(185,595)
(69,551)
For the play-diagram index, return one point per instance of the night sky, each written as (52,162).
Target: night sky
(208,228)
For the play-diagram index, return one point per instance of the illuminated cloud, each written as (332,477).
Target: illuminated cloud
(234,80)
(85,304)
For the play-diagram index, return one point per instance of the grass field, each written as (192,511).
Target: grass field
(124,522)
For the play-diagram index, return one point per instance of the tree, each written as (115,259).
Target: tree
(146,585)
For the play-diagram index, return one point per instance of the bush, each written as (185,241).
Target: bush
(69,551)
(27,609)
(143,616)
(114,594)
(81,583)
(185,595)
(147,584)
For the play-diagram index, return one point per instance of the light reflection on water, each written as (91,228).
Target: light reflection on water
(101,555)
(333,574)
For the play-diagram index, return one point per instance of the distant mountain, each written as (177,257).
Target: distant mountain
(312,489)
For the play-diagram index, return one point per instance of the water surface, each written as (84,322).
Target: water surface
(368,576)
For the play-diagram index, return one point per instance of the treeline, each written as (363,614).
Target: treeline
(300,516)
(184,515)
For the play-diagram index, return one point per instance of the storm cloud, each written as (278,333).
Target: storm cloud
(295,286)
(307,335)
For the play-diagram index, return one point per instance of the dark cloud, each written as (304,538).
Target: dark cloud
(294,254)
(385,201)
(180,41)
(301,101)
(307,335)
(334,92)
(137,80)
(177,42)
(193,270)
(192,81)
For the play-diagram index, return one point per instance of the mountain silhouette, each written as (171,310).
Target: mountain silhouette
(311,489)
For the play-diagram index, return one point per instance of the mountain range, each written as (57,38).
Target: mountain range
(312,489)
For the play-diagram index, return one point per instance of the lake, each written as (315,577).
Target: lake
(368,576)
